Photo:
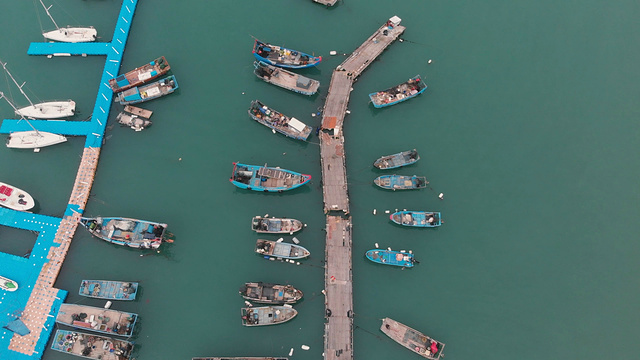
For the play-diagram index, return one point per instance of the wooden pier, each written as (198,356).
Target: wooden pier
(338,337)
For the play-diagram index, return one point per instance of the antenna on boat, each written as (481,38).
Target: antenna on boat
(4,65)
(50,17)
(21,117)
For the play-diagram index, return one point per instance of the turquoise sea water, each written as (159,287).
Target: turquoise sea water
(529,128)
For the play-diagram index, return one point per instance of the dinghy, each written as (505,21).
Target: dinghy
(400,182)
(133,233)
(14,198)
(275,225)
(267,179)
(417,218)
(397,160)
(108,289)
(267,315)
(280,250)
(283,57)
(264,293)
(399,93)
(412,339)
(391,257)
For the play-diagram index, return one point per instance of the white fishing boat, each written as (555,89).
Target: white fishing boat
(8,284)
(14,198)
(32,139)
(69,34)
(43,110)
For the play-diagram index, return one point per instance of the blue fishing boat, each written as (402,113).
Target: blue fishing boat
(91,346)
(280,250)
(391,257)
(109,290)
(279,122)
(267,179)
(133,233)
(400,182)
(148,92)
(106,321)
(399,93)
(285,79)
(416,218)
(283,57)
(267,315)
(397,160)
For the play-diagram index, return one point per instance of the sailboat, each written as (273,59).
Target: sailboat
(69,34)
(31,139)
(44,110)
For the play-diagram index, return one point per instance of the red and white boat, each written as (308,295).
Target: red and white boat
(14,198)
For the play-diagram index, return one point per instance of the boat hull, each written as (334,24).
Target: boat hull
(266,179)
(417,218)
(8,284)
(399,182)
(148,92)
(72,34)
(140,75)
(48,110)
(109,290)
(394,161)
(14,198)
(390,257)
(412,339)
(140,234)
(397,94)
(263,293)
(33,139)
(275,225)
(280,250)
(283,57)
(102,347)
(267,315)
(101,320)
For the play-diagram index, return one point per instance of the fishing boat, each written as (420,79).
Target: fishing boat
(134,233)
(400,182)
(106,321)
(283,57)
(399,93)
(285,79)
(91,346)
(275,225)
(280,250)
(109,290)
(391,257)
(397,160)
(135,122)
(148,92)
(416,218)
(43,110)
(267,179)
(275,120)
(239,358)
(267,315)
(270,293)
(8,284)
(14,198)
(412,339)
(140,75)
(69,34)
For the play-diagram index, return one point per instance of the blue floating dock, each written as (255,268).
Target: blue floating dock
(68,49)
(70,128)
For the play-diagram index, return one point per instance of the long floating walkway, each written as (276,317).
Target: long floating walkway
(338,335)
(36,302)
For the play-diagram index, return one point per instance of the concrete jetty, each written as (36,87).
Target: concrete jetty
(338,336)
(32,308)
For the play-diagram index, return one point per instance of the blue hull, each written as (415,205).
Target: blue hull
(109,290)
(283,57)
(148,92)
(390,257)
(397,94)
(139,234)
(266,179)
(397,160)
(417,218)
(400,182)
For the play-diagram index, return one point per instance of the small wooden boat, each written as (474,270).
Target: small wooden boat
(8,284)
(283,57)
(135,122)
(275,120)
(148,92)
(285,79)
(270,293)
(106,321)
(14,198)
(399,93)
(397,160)
(391,257)
(267,315)
(239,358)
(109,290)
(267,179)
(400,182)
(412,339)
(280,250)
(275,225)
(69,34)
(91,346)
(417,218)
(134,233)
(140,75)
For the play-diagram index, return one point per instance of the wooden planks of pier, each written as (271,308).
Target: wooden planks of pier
(338,337)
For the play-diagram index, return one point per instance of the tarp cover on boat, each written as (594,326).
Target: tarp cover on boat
(18,327)
(297,124)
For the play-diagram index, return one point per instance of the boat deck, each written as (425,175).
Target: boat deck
(138,111)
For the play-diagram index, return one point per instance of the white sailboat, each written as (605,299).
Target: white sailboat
(69,34)
(31,139)
(43,110)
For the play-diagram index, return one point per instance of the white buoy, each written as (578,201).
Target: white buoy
(429,62)
(295,240)
(387,211)
(280,240)
(248,303)
(305,225)
(441,196)
(272,258)
(313,114)
(107,305)
(410,252)
(376,244)
(298,263)
(348,112)
(402,251)
(305,347)
(374,211)
(291,352)
(273,131)
(243,93)
(266,215)
(333,52)
(389,248)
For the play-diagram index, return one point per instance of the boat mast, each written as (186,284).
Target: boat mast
(50,17)
(4,65)
(16,109)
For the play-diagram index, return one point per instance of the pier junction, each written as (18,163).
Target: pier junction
(30,311)
(338,336)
